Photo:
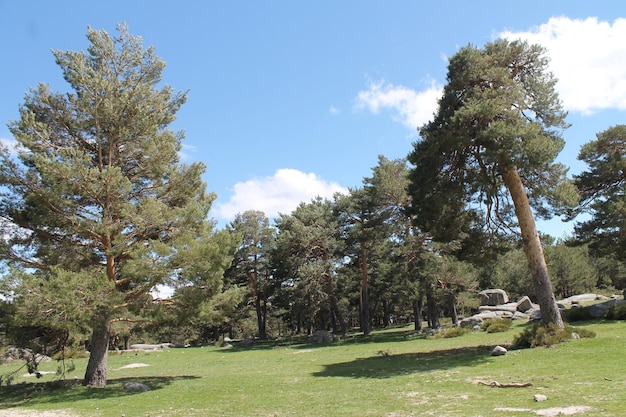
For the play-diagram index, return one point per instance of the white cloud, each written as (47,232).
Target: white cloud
(279,193)
(187,151)
(588,57)
(162,292)
(409,107)
(11,144)
(334,111)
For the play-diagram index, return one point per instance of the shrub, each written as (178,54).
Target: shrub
(531,337)
(616,312)
(584,333)
(451,332)
(496,325)
(538,335)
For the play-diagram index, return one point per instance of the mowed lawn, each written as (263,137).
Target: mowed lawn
(391,373)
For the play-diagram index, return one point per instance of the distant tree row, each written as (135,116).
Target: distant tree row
(97,210)
(358,261)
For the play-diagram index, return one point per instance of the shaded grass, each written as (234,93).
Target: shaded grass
(69,391)
(390,373)
(388,365)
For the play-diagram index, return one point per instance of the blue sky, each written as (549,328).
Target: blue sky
(292,99)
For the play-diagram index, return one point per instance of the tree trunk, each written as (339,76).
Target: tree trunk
(453,313)
(96,373)
(263,330)
(417,313)
(299,324)
(335,311)
(259,317)
(386,313)
(550,313)
(262,333)
(334,306)
(333,321)
(365,314)
(433,311)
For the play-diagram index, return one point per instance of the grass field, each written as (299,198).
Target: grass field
(391,373)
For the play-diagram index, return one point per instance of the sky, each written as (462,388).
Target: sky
(288,100)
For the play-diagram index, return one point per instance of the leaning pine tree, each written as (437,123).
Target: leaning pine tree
(491,148)
(97,209)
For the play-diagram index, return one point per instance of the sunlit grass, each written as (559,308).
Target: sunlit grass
(391,373)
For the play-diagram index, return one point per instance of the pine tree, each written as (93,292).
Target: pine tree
(251,265)
(603,191)
(99,206)
(491,148)
(307,257)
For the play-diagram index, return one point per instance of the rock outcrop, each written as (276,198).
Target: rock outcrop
(493,297)
(525,309)
(322,336)
(502,309)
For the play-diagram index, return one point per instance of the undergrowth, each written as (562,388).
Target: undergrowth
(539,335)
(450,333)
(496,325)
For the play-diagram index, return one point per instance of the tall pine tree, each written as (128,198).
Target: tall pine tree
(99,206)
(491,149)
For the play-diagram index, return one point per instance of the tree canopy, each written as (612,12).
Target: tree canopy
(603,192)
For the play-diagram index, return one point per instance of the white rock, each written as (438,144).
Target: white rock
(498,351)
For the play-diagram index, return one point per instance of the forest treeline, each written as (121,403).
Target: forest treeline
(357,261)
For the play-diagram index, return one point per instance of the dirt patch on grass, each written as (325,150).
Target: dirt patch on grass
(551,412)
(563,411)
(297,352)
(133,365)
(35,413)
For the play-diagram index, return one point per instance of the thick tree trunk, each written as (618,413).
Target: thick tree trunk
(96,373)
(550,313)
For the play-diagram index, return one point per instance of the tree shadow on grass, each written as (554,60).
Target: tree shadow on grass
(247,345)
(387,365)
(300,342)
(385,336)
(63,391)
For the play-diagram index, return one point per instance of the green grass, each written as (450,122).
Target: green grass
(391,373)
